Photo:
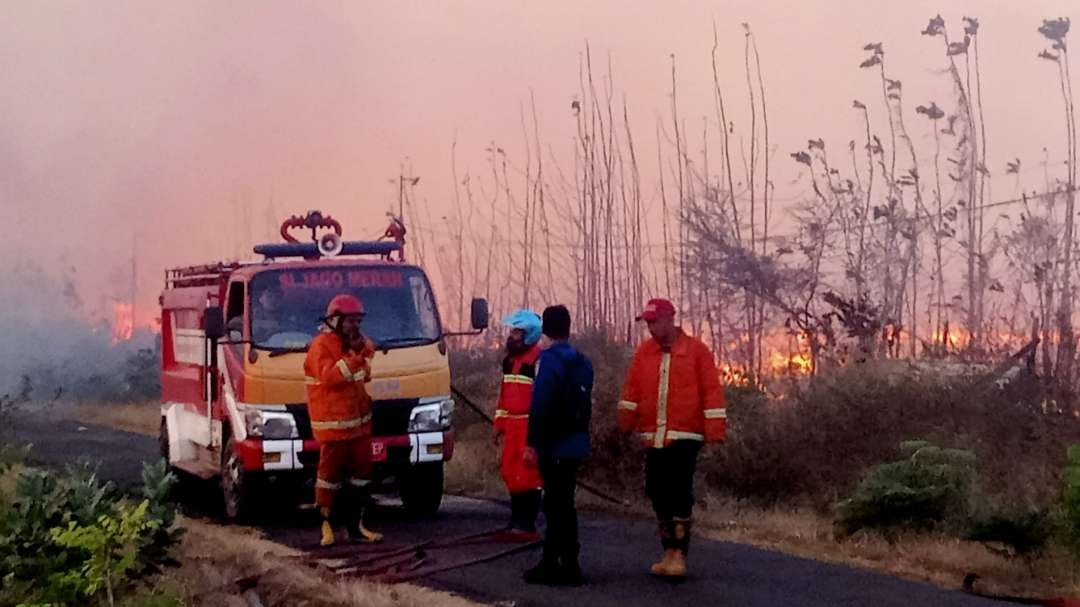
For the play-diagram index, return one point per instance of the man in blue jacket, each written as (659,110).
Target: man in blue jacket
(558,436)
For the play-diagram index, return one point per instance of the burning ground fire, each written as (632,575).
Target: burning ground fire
(123,322)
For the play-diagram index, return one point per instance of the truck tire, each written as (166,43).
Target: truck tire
(422,489)
(238,488)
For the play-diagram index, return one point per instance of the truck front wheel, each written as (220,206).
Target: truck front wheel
(238,488)
(422,489)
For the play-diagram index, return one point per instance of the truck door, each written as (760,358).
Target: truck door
(230,363)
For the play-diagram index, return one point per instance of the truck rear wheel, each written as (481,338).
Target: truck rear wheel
(238,488)
(422,489)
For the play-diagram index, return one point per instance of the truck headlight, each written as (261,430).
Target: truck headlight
(431,415)
(269,425)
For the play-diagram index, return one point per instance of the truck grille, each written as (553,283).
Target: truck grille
(389,417)
(303,420)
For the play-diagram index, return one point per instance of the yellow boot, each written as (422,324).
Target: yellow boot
(680,532)
(676,565)
(666,538)
(327,534)
(664,565)
(363,534)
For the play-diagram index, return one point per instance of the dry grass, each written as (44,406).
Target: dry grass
(474,469)
(8,478)
(935,559)
(140,418)
(213,558)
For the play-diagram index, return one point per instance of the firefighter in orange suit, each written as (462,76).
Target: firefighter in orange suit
(674,402)
(336,369)
(520,472)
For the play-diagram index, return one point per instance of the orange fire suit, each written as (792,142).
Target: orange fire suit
(674,395)
(340,411)
(512,422)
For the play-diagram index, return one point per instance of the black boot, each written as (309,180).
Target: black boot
(547,573)
(570,573)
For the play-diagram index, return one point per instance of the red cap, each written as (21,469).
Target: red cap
(657,308)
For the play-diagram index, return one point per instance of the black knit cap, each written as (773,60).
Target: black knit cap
(557,322)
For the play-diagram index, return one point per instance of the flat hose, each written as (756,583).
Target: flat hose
(487,418)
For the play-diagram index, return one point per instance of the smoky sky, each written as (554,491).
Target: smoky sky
(181,132)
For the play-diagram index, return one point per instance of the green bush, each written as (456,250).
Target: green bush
(1071,495)
(65,536)
(933,488)
(1020,534)
(111,546)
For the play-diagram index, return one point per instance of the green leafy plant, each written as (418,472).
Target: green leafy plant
(60,530)
(932,488)
(1071,495)
(112,545)
(156,546)
(1014,534)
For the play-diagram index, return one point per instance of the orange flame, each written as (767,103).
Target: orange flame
(123,324)
(797,363)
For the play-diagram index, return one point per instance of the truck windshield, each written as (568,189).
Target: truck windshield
(287,306)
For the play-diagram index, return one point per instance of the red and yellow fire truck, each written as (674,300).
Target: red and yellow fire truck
(233,342)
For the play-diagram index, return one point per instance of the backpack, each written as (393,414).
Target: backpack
(575,397)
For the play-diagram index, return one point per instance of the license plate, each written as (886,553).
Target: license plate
(385,388)
(378,451)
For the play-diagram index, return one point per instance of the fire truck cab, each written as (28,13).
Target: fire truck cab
(234,337)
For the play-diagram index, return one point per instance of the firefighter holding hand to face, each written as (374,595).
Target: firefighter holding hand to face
(336,369)
(519,471)
(673,400)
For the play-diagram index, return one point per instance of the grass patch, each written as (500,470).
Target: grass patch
(140,418)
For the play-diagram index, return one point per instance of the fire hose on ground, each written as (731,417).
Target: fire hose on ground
(487,418)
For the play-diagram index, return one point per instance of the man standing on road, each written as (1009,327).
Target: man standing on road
(337,366)
(520,473)
(674,401)
(559,437)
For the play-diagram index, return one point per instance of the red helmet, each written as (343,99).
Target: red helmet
(344,305)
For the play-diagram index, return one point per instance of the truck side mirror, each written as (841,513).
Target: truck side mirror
(214,322)
(479,314)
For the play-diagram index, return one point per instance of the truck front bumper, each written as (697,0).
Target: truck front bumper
(299,454)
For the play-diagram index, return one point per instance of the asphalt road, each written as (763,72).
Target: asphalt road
(615,557)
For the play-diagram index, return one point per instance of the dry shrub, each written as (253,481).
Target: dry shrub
(617,460)
(818,439)
(809,442)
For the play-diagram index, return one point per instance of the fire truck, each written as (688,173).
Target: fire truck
(234,337)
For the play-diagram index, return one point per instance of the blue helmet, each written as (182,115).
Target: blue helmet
(526,320)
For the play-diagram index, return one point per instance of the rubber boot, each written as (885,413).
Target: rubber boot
(357,531)
(524,508)
(546,573)
(363,534)
(666,541)
(681,538)
(327,530)
(354,503)
(570,571)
